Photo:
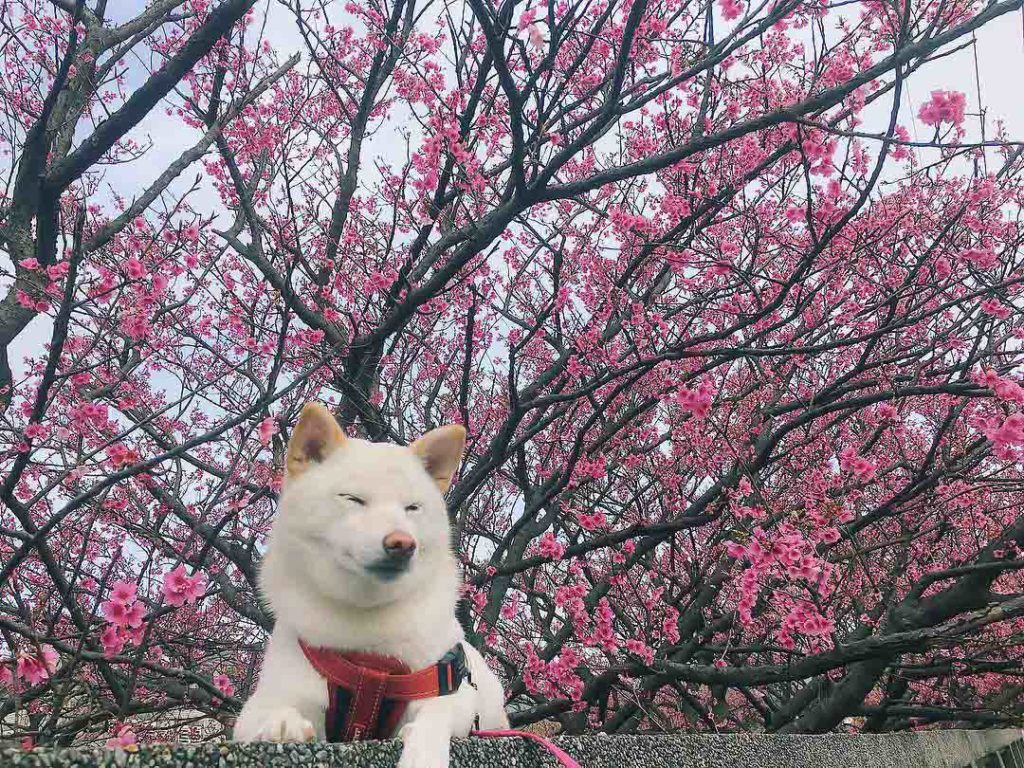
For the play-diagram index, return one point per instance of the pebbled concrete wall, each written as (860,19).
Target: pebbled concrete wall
(937,749)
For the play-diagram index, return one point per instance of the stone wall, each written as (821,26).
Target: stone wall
(937,749)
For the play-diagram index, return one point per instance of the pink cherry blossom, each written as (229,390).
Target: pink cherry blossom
(943,107)
(267,429)
(731,9)
(1010,432)
(135,616)
(114,612)
(123,592)
(995,308)
(863,468)
(113,640)
(697,402)
(134,268)
(180,589)
(36,666)
(550,547)
(36,431)
(124,738)
(223,684)
(982,258)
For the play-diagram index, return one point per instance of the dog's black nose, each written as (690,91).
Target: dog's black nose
(399,545)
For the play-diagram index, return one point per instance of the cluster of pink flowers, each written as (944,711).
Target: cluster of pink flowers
(804,619)
(670,624)
(124,614)
(134,268)
(943,268)
(181,589)
(641,649)
(380,281)
(528,21)
(549,546)
(510,609)
(676,206)
(557,678)
(696,401)
(1006,389)
(266,430)
(789,551)
(38,305)
(570,597)
(224,684)
(863,469)
(124,738)
(943,107)
(995,308)
(36,431)
(886,412)
(87,416)
(595,521)
(604,628)
(121,456)
(478,597)
(33,666)
(589,469)
(1007,435)
(533,670)
(123,607)
(818,149)
(749,590)
(626,223)
(982,258)
(561,675)
(731,9)
(575,368)
(752,511)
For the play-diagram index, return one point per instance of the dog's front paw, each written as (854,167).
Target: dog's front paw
(280,724)
(423,747)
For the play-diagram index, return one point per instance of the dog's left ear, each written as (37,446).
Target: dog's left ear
(441,451)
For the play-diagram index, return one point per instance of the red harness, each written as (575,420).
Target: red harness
(367,693)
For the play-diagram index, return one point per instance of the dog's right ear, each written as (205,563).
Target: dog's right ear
(315,437)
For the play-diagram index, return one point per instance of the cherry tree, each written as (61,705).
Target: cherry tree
(736,337)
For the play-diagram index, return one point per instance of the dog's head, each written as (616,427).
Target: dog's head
(366,519)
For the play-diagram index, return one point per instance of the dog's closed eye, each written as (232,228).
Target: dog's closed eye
(354,499)
(413,508)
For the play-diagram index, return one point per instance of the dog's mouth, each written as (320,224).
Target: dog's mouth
(388,568)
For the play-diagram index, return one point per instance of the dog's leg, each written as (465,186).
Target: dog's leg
(432,723)
(426,738)
(290,696)
(489,703)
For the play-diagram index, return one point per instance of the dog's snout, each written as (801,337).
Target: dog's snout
(399,545)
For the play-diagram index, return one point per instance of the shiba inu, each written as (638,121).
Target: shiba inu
(359,561)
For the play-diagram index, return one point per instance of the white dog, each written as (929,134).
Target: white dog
(359,560)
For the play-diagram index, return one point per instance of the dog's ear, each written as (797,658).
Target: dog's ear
(441,451)
(314,438)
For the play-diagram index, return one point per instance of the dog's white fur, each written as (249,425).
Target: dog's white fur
(316,581)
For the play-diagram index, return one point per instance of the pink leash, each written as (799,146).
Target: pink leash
(560,754)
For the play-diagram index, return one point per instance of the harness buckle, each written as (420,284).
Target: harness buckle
(451,671)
